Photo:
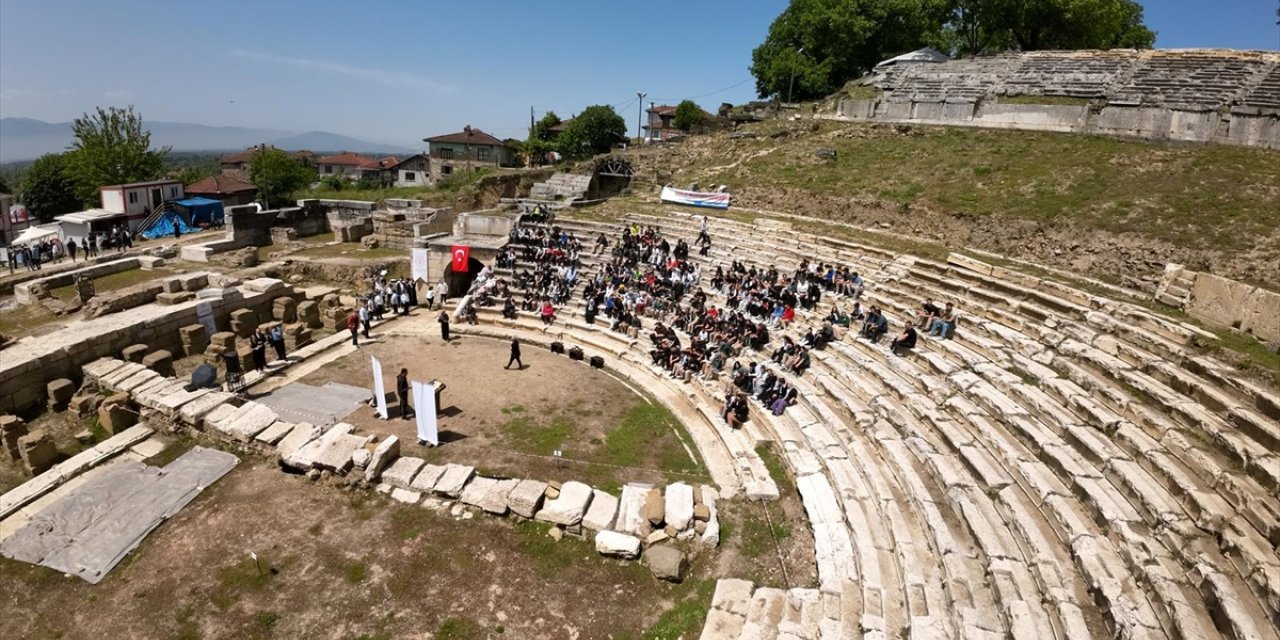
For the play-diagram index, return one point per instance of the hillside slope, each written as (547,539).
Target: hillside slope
(1114,209)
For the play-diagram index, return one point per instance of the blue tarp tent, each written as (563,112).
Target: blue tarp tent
(164,226)
(202,211)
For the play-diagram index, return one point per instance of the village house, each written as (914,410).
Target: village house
(346,164)
(467,150)
(237,164)
(381,171)
(414,171)
(229,189)
(660,125)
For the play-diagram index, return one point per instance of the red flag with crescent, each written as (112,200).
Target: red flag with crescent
(461,256)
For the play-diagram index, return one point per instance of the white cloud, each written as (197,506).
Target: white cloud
(23,94)
(396,79)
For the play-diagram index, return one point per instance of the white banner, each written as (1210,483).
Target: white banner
(424,410)
(695,198)
(419,265)
(379,391)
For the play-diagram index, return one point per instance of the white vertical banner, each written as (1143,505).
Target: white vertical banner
(424,402)
(379,391)
(418,268)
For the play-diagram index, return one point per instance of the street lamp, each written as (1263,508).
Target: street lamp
(791,85)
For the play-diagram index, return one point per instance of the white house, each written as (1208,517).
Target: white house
(140,198)
(414,171)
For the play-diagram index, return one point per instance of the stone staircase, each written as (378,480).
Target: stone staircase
(1064,449)
(561,186)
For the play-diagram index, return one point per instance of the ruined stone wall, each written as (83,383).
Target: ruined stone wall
(1228,303)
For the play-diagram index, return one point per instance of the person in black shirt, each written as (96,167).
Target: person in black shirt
(402,393)
(515,355)
(906,340)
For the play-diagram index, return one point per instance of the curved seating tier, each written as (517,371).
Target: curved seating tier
(1067,466)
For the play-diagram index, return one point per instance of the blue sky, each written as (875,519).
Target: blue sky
(398,71)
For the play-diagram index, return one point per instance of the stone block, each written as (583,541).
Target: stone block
(618,545)
(147,263)
(160,361)
(386,452)
(454,479)
(176,297)
(402,472)
(85,404)
(193,281)
(243,322)
(115,414)
(655,508)
(60,392)
(135,352)
(11,429)
(427,478)
(600,515)
(666,563)
(526,498)
(567,509)
(631,510)
(285,309)
(224,340)
(678,511)
(309,314)
(245,355)
(37,451)
(194,339)
(171,285)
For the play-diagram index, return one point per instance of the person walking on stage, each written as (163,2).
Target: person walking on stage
(444,325)
(353,325)
(402,393)
(258,342)
(515,355)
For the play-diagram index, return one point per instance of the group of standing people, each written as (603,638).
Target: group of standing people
(259,340)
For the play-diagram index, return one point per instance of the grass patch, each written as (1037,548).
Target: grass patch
(1024,375)
(353,250)
(551,557)
(179,445)
(776,468)
(245,576)
(648,430)
(1056,101)
(757,537)
(528,436)
(356,572)
(113,282)
(266,620)
(460,629)
(686,618)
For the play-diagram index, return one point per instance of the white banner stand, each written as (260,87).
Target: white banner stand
(424,399)
(418,265)
(379,391)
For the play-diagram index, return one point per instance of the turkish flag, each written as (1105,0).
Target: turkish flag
(461,255)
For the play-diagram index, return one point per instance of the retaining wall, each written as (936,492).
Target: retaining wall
(22,291)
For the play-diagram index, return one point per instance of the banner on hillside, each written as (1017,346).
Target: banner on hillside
(424,399)
(418,267)
(461,256)
(379,391)
(695,198)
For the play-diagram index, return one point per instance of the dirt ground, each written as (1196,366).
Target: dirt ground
(510,422)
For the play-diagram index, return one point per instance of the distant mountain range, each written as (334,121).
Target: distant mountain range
(27,139)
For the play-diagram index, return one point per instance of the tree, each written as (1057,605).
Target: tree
(820,44)
(689,116)
(594,131)
(191,174)
(277,175)
(47,188)
(111,147)
(542,139)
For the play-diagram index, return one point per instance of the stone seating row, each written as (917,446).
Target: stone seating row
(1267,94)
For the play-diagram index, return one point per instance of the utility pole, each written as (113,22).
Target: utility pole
(640,118)
(792,84)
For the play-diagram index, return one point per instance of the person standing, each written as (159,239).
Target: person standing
(364,319)
(515,355)
(402,393)
(444,324)
(277,341)
(353,325)
(258,342)
(71,249)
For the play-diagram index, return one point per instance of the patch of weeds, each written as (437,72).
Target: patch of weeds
(515,408)
(188,629)
(775,466)
(316,529)
(365,506)
(356,572)
(177,447)
(1025,375)
(647,432)
(459,629)
(530,437)
(266,620)
(686,618)
(409,522)
(758,536)
(245,576)
(549,557)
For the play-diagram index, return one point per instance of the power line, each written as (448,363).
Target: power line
(712,93)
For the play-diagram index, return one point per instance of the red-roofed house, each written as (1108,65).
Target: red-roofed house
(229,189)
(383,171)
(469,149)
(237,164)
(345,164)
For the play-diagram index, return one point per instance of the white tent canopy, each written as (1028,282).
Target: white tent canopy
(35,234)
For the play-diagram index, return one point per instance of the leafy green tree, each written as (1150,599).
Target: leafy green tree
(111,147)
(818,45)
(47,188)
(542,139)
(277,175)
(594,131)
(4,186)
(191,174)
(689,116)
